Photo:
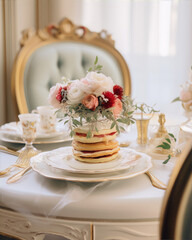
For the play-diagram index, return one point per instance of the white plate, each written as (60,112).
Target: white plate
(13,129)
(63,159)
(39,165)
(187,127)
(14,139)
(11,132)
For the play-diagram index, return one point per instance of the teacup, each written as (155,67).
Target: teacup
(47,118)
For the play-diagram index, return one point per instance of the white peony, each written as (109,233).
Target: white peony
(75,92)
(96,83)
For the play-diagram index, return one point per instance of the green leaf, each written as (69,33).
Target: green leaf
(113,124)
(76,122)
(96,60)
(122,128)
(164,145)
(168,140)
(90,69)
(171,135)
(72,134)
(130,113)
(89,134)
(117,127)
(167,160)
(160,146)
(176,100)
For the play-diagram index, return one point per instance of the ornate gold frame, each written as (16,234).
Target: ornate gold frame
(65,31)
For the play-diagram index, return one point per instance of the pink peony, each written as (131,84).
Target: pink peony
(185,95)
(90,102)
(117,107)
(53,94)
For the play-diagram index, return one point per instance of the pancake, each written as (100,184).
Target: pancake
(97,159)
(97,153)
(95,146)
(100,136)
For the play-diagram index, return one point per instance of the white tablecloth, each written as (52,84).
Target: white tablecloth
(129,199)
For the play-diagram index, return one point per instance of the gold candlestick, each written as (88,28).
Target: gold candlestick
(161,130)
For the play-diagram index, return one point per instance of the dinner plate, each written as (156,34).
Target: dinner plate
(38,163)
(63,159)
(15,129)
(11,132)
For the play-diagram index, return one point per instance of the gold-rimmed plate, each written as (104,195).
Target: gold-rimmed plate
(39,165)
(63,159)
(11,132)
(14,139)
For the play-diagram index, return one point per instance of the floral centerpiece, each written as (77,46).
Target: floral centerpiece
(92,99)
(96,110)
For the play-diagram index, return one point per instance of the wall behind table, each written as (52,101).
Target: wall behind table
(154,37)
(16,15)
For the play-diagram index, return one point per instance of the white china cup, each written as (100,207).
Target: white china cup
(47,118)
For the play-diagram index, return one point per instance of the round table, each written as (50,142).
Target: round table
(120,209)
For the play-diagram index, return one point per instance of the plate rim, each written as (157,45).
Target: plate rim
(112,176)
(92,171)
(57,139)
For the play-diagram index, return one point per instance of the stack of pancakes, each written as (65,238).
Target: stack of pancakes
(99,148)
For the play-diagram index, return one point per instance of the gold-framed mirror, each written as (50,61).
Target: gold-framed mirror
(63,50)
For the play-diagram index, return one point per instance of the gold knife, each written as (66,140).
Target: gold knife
(18,175)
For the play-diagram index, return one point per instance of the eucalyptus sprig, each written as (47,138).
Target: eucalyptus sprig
(96,67)
(166,144)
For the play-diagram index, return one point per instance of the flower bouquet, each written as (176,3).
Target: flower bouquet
(91,100)
(96,110)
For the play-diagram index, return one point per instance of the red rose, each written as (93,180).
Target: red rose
(90,102)
(62,94)
(108,100)
(118,91)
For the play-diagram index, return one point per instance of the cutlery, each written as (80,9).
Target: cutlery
(18,175)
(7,150)
(23,160)
(155,181)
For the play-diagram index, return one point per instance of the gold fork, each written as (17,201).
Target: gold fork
(18,175)
(23,161)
